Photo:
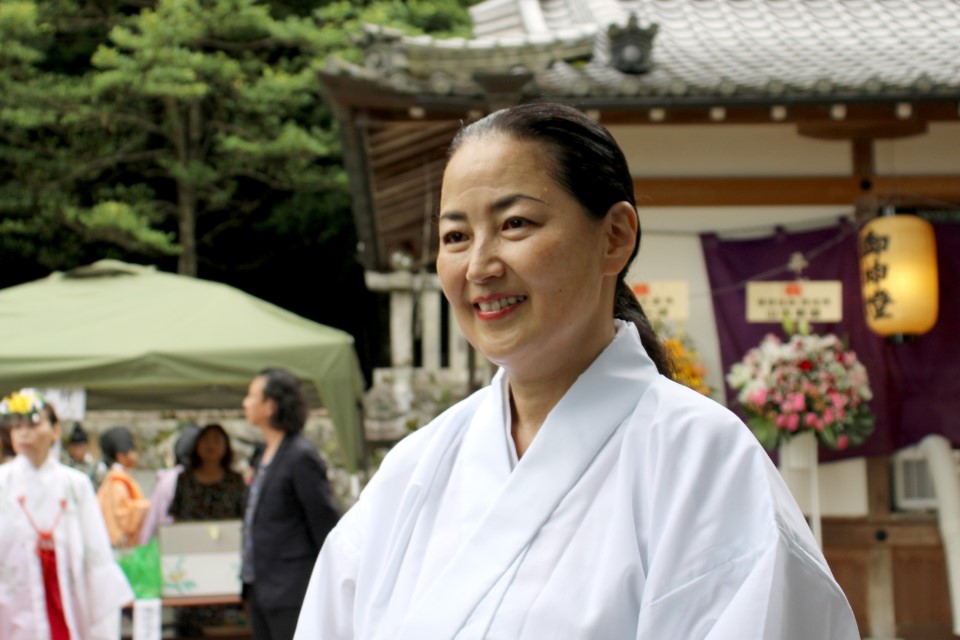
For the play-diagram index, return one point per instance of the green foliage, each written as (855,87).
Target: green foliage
(228,94)
(155,126)
(54,153)
(439,18)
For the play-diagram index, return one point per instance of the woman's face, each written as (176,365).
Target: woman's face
(523,266)
(211,447)
(34,439)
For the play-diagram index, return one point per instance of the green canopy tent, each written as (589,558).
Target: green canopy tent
(137,338)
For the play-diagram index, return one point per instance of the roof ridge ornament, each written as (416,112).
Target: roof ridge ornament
(631,47)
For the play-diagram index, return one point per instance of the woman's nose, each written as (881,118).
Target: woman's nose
(485,262)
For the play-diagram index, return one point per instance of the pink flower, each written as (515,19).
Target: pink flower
(837,399)
(758,397)
(843,442)
(793,421)
(795,402)
(812,420)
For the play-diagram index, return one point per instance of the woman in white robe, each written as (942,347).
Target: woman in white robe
(583,494)
(38,494)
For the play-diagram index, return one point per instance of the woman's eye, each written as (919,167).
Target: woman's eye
(453,237)
(515,223)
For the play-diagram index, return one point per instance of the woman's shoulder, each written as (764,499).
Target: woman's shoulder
(678,408)
(671,421)
(185,479)
(232,478)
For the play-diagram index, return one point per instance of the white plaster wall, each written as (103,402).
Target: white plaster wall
(843,489)
(738,221)
(724,150)
(777,149)
(936,152)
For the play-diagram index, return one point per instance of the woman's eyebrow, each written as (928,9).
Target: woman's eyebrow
(499,205)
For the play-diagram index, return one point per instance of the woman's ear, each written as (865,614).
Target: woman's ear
(621,236)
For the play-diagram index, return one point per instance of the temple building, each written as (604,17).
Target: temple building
(740,119)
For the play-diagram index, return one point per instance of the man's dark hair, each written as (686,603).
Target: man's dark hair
(285,390)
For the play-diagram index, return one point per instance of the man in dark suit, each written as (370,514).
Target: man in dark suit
(289,507)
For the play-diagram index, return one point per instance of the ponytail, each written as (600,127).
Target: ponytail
(627,307)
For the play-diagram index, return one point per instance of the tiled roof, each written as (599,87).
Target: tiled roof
(425,64)
(732,50)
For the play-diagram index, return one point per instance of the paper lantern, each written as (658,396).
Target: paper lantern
(898,267)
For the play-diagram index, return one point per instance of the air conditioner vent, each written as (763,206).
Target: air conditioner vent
(912,482)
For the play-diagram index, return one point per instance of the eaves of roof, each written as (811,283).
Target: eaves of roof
(716,52)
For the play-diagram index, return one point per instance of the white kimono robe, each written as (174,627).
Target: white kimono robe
(641,510)
(92,585)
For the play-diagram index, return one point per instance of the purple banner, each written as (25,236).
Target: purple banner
(916,385)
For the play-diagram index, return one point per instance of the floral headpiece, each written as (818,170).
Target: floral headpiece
(25,402)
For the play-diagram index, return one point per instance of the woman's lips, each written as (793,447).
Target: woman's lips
(497,307)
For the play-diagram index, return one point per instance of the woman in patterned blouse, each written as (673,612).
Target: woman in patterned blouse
(208,489)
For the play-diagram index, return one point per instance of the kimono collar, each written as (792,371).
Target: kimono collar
(573,433)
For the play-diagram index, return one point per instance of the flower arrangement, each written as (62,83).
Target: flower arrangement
(809,382)
(688,370)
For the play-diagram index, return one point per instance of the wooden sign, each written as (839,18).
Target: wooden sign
(664,299)
(810,300)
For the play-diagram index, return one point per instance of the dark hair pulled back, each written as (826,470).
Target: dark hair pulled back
(589,164)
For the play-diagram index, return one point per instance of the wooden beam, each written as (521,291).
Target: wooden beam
(908,530)
(862,129)
(785,191)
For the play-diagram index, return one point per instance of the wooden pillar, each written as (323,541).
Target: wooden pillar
(881,603)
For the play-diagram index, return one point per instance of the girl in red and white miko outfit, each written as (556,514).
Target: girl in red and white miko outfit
(58,577)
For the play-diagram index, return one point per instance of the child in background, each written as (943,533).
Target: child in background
(58,578)
(79,457)
(121,499)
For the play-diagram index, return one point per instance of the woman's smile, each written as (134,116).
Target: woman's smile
(495,307)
